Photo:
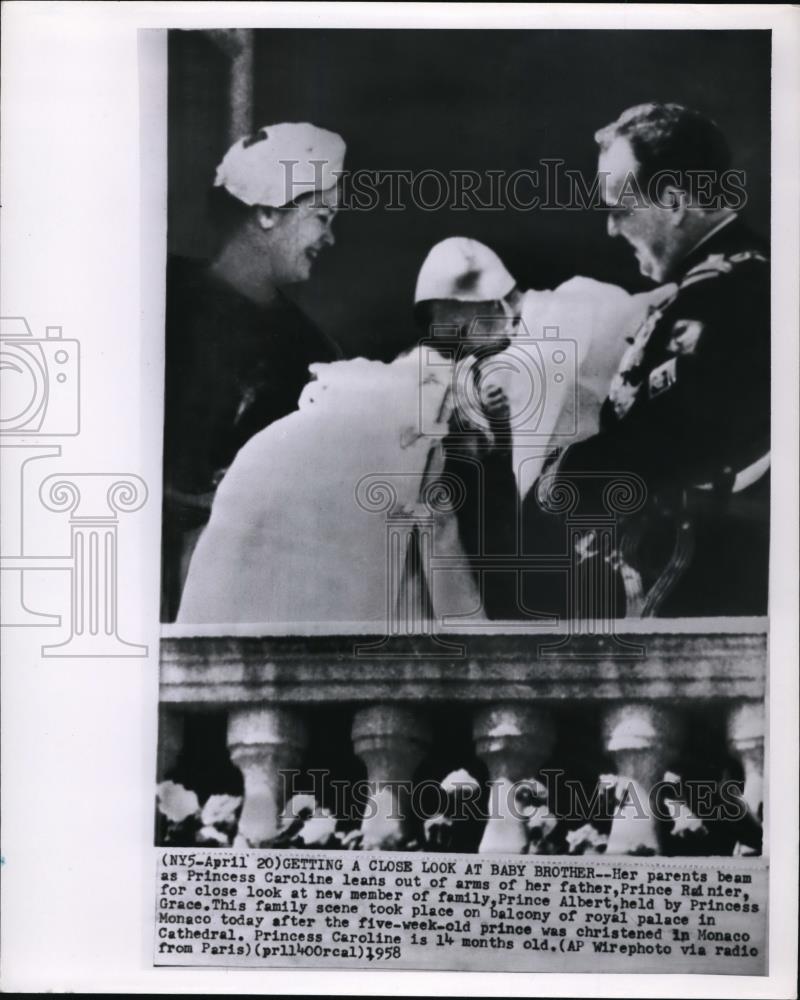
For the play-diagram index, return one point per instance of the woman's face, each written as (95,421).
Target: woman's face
(297,234)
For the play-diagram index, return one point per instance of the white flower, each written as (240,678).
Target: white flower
(684,820)
(319,829)
(586,840)
(211,835)
(220,809)
(176,802)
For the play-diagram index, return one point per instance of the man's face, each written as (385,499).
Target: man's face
(301,232)
(649,228)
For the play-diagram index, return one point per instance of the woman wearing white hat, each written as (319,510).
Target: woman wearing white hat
(237,350)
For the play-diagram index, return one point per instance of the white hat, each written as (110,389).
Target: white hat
(280,162)
(463,269)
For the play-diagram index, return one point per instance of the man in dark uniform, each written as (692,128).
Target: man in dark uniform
(689,408)
(237,350)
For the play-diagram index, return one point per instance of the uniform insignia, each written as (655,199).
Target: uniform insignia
(713,266)
(716,262)
(741,258)
(685,335)
(625,383)
(663,377)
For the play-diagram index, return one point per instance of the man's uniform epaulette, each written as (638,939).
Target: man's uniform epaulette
(667,332)
(719,263)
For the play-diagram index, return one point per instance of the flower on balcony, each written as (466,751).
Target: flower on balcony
(176,802)
(220,810)
(614,786)
(188,824)
(544,831)
(587,839)
(443,831)
(318,830)
(305,823)
(684,822)
(210,836)
(685,825)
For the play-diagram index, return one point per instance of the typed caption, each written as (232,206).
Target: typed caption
(460,912)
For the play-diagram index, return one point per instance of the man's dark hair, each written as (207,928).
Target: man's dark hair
(673,138)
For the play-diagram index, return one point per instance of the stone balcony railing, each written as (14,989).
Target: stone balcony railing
(643,688)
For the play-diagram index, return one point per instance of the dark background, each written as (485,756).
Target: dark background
(459,100)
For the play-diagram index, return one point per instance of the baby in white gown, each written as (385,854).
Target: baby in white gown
(304,522)
(312,522)
(558,368)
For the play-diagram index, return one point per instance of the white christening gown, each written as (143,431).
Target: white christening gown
(313,521)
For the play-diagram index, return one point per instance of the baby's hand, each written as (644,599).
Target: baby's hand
(495,403)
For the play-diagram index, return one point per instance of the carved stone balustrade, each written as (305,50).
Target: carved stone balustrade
(514,739)
(263,742)
(746,730)
(645,689)
(391,740)
(640,737)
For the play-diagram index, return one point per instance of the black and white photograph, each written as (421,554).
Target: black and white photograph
(423,563)
(483,265)
(466,443)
